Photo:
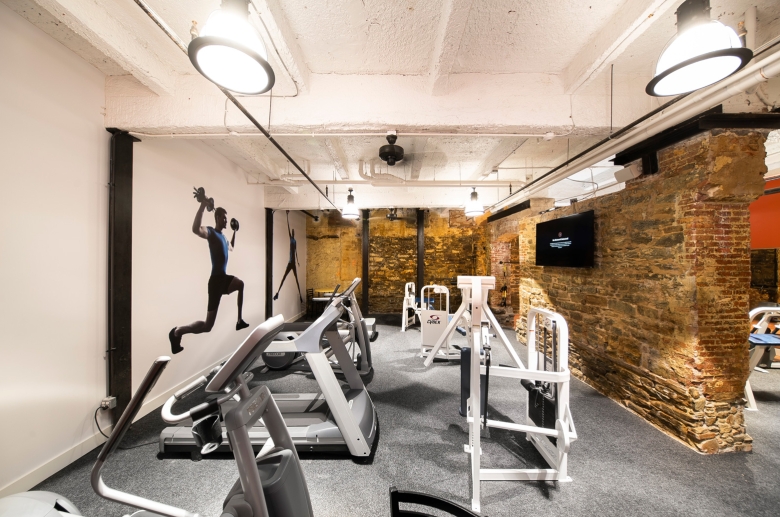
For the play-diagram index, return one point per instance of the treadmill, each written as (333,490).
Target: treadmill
(359,331)
(334,420)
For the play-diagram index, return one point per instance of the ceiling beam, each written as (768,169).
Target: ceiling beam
(367,196)
(87,28)
(283,40)
(628,23)
(452,25)
(337,155)
(359,103)
(505,148)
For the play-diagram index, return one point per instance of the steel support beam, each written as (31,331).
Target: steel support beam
(365,279)
(420,250)
(120,270)
(269,262)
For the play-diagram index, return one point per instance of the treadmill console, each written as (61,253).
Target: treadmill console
(351,288)
(246,354)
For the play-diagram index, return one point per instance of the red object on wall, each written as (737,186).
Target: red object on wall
(765,219)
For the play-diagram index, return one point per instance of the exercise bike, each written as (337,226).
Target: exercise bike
(270,484)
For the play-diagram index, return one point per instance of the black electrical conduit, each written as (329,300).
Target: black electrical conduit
(179,43)
(598,144)
(160,23)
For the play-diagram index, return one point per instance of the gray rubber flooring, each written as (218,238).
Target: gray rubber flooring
(620,465)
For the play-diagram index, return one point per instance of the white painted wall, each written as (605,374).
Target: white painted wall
(171,265)
(289,304)
(53,177)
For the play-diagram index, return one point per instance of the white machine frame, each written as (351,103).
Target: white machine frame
(434,322)
(407,319)
(475,292)
(757,351)
(463,314)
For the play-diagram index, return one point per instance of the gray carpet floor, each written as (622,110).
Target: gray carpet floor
(620,465)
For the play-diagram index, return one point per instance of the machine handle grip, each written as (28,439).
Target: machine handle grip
(113,441)
(189,388)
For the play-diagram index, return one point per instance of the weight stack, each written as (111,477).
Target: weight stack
(465,383)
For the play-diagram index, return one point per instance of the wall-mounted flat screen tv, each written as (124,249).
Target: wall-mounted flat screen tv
(566,242)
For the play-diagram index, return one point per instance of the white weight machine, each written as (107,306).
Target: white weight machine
(410,310)
(549,425)
(434,318)
(762,345)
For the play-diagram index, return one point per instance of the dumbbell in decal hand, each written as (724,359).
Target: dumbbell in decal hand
(200,195)
(234,224)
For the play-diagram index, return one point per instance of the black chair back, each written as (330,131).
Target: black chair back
(398,496)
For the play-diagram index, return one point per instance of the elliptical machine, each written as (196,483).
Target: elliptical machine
(271,484)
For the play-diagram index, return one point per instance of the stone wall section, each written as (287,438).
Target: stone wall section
(334,251)
(659,323)
(764,272)
(392,259)
(505,261)
(455,245)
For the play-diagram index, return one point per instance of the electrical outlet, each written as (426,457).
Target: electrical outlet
(108,403)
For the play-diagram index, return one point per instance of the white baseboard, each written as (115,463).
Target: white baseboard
(296,317)
(51,467)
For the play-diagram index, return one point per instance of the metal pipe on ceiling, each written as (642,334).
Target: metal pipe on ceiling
(325,134)
(413,184)
(180,43)
(675,112)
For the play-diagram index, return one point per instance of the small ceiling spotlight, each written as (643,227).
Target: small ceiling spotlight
(230,53)
(474,207)
(702,53)
(393,214)
(350,210)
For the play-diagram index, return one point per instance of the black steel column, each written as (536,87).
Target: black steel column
(269,262)
(365,261)
(120,270)
(420,250)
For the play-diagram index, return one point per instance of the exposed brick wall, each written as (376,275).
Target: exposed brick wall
(764,272)
(392,259)
(454,245)
(333,250)
(659,323)
(504,262)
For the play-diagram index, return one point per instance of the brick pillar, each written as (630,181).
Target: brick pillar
(660,323)
(729,168)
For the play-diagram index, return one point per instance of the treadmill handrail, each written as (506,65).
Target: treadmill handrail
(309,340)
(351,289)
(113,441)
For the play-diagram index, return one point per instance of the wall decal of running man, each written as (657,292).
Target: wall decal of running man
(220,283)
(293,261)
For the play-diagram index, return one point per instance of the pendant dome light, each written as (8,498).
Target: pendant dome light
(230,53)
(350,210)
(702,53)
(474,207)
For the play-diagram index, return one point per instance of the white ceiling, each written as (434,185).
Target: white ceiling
(469,85)
(529,36)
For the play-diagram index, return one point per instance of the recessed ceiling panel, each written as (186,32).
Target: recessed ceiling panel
(365,36)
(529,36)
